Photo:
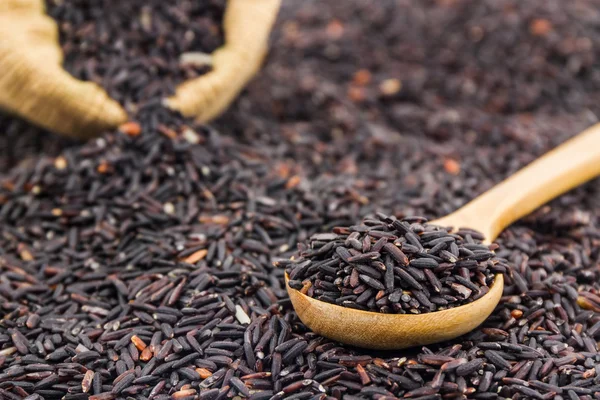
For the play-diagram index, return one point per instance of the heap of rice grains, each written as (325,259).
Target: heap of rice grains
(140,265)
(395,266)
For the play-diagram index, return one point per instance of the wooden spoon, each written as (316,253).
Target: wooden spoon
(569,165)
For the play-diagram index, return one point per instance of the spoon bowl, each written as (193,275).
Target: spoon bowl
(393,331)
(569,165)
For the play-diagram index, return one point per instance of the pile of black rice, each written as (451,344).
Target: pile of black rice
(140,265)
(389,265)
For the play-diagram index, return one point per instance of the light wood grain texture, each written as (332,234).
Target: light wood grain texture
(569,165)
(392,331)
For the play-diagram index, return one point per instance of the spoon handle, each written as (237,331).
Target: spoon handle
(567,166)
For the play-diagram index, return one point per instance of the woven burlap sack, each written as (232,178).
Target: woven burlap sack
(247,24)
(34,86)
